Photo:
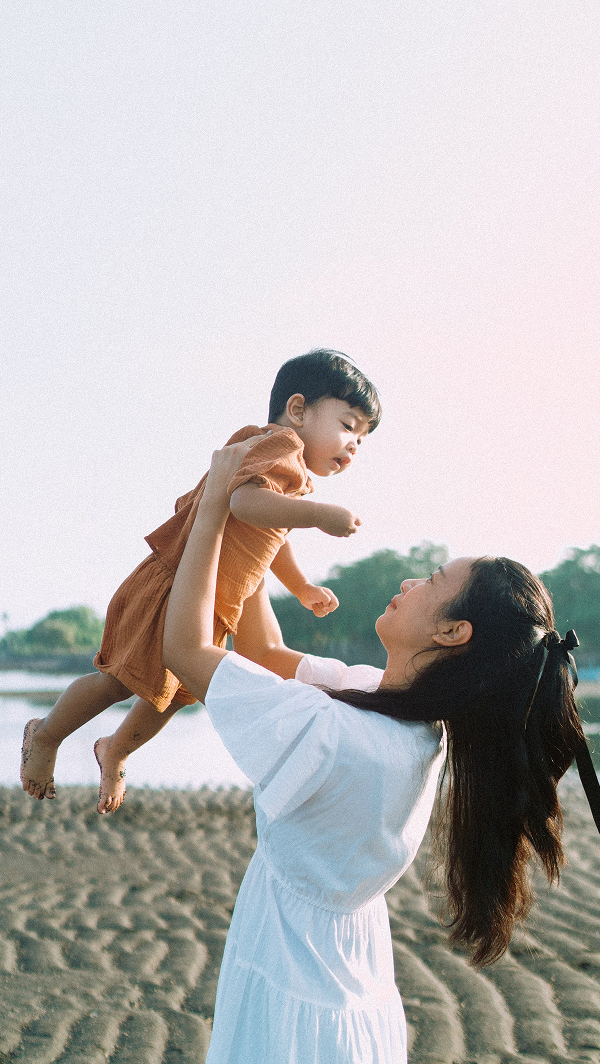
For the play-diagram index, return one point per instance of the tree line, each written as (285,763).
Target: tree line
(62,633)
(364,589)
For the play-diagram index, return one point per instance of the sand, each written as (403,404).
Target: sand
(112,931)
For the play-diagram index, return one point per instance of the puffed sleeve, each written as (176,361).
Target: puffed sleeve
(275,462)
(282,733)
(335,674)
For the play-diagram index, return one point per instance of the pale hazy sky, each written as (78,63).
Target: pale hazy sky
(193,192)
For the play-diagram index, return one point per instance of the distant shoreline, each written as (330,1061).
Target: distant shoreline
(65,663)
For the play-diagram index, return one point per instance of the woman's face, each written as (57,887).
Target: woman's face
(412,620)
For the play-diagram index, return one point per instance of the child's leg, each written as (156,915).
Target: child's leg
(83,700)
(141,724)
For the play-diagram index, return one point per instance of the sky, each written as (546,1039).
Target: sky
(195,192)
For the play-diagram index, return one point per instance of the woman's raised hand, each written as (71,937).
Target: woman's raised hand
(224,465)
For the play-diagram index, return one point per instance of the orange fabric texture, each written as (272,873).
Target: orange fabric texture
(131,648)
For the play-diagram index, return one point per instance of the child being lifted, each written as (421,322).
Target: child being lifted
(321,409)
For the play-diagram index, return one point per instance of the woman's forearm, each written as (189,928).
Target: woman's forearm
(188,649)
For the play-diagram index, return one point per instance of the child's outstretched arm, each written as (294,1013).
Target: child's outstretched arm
(268,509)
(321,600)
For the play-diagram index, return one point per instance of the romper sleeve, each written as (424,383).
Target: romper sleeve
(282,733)
(276,462)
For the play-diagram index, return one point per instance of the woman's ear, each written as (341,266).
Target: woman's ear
(295,409)
(453,633)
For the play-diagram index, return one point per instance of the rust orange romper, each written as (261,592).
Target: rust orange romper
(131,648)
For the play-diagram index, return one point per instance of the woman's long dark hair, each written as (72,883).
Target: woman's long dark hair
(506,753)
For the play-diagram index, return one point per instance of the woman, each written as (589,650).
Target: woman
(343,796)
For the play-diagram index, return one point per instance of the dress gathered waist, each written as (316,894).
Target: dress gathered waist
(262,853)
(311,942)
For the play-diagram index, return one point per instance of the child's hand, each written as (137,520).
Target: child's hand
(336,520)
(318,599)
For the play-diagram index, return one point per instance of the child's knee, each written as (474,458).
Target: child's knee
(112,686)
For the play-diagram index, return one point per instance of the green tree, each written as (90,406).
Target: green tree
(77,630)
(364,590)
(575,588)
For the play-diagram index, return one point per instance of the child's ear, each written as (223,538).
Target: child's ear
(295,409)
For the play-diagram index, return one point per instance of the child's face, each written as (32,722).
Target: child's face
(332,432)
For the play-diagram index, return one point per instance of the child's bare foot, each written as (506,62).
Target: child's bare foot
(37,763)
(112,777)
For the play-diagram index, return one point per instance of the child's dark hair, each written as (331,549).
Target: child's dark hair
(509,743)
(323,374)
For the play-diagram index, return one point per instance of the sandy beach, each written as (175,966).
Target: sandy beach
(112,931)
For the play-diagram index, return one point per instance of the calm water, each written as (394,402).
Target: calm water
(187,753)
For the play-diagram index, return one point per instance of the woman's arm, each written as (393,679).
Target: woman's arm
(259,637)
(188,649)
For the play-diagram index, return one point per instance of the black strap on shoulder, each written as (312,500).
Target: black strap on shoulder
(583,758)
(589,781)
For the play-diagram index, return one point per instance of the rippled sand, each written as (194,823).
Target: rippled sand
(112,931)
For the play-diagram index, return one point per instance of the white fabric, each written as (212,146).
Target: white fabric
(342,801)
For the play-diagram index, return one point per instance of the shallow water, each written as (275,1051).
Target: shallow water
(21,680)
(187,753)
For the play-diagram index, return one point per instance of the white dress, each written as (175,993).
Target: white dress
(342,799)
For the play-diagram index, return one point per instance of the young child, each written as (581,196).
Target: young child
(321,408)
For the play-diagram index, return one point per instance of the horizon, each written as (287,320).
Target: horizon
(276,590)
